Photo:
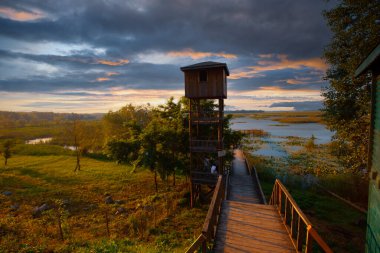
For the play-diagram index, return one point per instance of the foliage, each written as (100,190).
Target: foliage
(347,99)
(158,137)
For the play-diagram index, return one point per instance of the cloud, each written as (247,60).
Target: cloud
(113,63)
(20,15)
(199,55)
(50,46)
(102,79)
(277,62)
(112,73)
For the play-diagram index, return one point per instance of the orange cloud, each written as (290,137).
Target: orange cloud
(112,73)
(188,52)
(102,79)
(302,80)
(113,63)
(279,63)
(20,15)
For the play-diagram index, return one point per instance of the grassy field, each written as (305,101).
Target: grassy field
(286,117)
(342,226)
(141,220)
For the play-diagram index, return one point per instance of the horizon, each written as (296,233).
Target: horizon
(66,58)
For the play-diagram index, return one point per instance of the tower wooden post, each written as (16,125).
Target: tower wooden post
(204,82)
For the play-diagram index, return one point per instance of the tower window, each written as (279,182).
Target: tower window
(203,76)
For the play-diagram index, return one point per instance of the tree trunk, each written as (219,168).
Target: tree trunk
(155,179)
(6,161)
(174,178)
(77,167)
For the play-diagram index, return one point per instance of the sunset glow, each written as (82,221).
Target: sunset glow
(65,57)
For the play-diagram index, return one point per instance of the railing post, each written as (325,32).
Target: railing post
(292,223)
(279,201)
(300,234)
(286,210)
(309,240)
(204,246)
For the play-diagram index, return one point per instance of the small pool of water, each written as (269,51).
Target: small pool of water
(39,141)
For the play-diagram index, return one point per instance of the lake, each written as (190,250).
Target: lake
(273,144)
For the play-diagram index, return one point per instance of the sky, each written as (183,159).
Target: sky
(99,55)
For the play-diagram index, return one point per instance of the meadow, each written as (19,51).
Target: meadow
(287,117)
(138,219)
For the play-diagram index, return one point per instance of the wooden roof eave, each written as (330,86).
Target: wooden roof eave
(367,62)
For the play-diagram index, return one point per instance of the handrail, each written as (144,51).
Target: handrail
(298,226)
(212,218)
(250,168)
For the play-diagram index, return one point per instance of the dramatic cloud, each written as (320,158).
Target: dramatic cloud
(69,51)
(199,55)
(113,63)
(20,15)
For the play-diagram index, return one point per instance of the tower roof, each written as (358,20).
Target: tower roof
(207,65)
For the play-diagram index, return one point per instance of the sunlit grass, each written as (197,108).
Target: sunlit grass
(286,117)
(33,180)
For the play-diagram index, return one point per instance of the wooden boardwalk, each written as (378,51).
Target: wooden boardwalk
(246,224)
(241,186)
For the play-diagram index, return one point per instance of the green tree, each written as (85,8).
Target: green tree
(347,99)
(7,152)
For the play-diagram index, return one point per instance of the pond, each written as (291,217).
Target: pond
(39,141)
(275,144)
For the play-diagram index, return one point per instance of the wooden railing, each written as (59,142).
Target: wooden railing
(300,229)
(212,218)
(204,145)
(253,173)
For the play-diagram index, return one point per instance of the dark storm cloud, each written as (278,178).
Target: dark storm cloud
(300,106)
(127,29)
(242,27)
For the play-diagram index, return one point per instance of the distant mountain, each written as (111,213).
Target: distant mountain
(242,111)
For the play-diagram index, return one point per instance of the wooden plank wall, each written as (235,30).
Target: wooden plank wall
(215,87)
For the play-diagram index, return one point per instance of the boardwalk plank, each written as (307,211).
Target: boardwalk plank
(246,224)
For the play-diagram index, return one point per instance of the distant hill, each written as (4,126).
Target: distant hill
(243,111)
(20,119)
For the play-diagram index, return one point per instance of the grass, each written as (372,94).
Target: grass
(152,222)
(287,117)
(31,132)
(342,226)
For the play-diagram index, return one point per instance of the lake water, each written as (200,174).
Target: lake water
(39,141)
(273,144)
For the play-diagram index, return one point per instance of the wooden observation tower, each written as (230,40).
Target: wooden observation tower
(204,83)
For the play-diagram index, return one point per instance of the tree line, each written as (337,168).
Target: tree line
(152,137)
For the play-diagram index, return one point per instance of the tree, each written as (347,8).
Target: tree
(7,153)
(122,132)
(347,99)
(150,148)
